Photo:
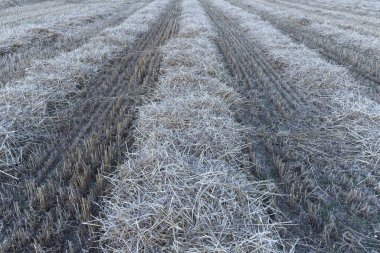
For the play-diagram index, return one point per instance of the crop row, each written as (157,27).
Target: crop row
(43,15)
(28,105)
(183,187)
(343,46)
(361,7)
(360,23)
(60,181)
(12,3)
(322,151)
(42,42)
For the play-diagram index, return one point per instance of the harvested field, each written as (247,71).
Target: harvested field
(318,146)
(189,126)
(66,168)
(11,3)
(347,47)
(42,37)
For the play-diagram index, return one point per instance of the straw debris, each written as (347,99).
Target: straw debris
(184,187)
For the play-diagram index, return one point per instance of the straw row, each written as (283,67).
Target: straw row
(338,155)
(30,109)
(184,187)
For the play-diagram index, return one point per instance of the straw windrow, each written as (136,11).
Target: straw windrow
(31,108)
(183,188)
(327,142)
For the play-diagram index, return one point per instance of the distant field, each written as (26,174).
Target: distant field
(189,126)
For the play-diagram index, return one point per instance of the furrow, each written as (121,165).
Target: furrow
(27,106)
(11,3)
(359,58)
(96,100)
(361,9)
(44,41)
(347,21)
(63,187)
(187,161)
(251,67)
(318,159)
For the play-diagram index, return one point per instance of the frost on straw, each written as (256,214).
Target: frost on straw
(183,187)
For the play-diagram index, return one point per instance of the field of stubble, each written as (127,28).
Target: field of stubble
(189,126)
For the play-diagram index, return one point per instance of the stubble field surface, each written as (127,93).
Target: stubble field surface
(189,126)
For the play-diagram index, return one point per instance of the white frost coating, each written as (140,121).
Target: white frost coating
(23,105)
(71,18)
(8,9)
(359,7)
(182,189)
(354,118)
(362,23)
(363,43)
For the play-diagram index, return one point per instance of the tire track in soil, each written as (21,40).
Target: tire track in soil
(319,227)
(62,181)
(363,65)
(261,108)
(249,66)
(248,63)
(48,41)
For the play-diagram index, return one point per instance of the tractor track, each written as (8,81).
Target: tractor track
(275,110)
(262,108)
(307,6)
(364,66)
(249,66)
(62,181)
(47,43)
(247,61)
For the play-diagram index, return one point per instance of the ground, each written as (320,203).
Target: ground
(189,126)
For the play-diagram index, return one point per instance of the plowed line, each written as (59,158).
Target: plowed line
(64,183)
(247,62)
(307,192)
(266,114)
(15,60)
(363,65)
